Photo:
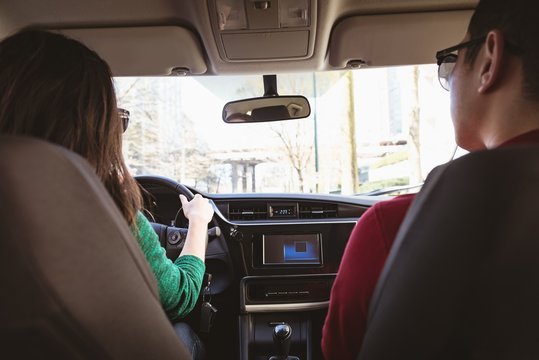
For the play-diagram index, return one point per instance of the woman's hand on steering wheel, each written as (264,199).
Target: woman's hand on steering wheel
(198,210)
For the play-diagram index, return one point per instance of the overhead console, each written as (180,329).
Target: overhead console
(262,30)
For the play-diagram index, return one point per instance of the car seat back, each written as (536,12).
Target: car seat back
(74,283)
(462,278)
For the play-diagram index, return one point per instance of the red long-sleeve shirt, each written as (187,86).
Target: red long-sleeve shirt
(363,260)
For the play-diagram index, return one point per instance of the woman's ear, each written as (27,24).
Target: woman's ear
(490,61)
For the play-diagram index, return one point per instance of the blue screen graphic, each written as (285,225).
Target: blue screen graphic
(300,249)
(295,250)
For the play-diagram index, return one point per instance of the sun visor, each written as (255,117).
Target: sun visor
(145,51)
(395,39)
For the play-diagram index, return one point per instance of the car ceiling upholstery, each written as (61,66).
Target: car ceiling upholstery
(193,16)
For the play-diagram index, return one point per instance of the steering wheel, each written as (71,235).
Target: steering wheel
(149,181)
(172,238)
(154,180)
(217,260)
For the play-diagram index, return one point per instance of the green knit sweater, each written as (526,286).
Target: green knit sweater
(179,282)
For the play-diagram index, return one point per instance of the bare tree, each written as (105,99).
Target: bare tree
(156,141)
(298,153)
(122,95)
(296,138)
(142,143)
(415,143)
(352,133)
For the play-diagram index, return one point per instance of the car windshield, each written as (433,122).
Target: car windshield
(368,129)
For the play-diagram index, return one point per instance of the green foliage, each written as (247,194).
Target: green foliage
(382,184)
(390,159)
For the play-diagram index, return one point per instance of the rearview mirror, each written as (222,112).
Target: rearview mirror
(268,108)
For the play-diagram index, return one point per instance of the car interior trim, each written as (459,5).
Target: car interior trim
(394,45)
(274,223)
(258,308)
(158,49)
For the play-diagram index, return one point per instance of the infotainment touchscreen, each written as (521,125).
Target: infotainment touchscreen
(291,249)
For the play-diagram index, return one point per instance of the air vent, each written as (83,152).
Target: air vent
(317,211)
(247,211)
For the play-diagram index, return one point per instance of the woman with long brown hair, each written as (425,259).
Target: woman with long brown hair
(56,89)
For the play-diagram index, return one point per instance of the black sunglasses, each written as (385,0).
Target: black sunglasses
(446,60)
(124,116)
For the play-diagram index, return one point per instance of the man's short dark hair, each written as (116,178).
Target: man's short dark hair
(519,22)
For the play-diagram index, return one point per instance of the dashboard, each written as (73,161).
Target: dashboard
(273,260)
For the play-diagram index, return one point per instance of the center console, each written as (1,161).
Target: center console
(290,270)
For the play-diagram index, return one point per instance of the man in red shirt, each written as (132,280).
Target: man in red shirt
(493,76)
(363,260)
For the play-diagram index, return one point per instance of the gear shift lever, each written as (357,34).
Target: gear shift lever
(282,336)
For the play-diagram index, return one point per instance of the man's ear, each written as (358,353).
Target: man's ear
(491,61)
